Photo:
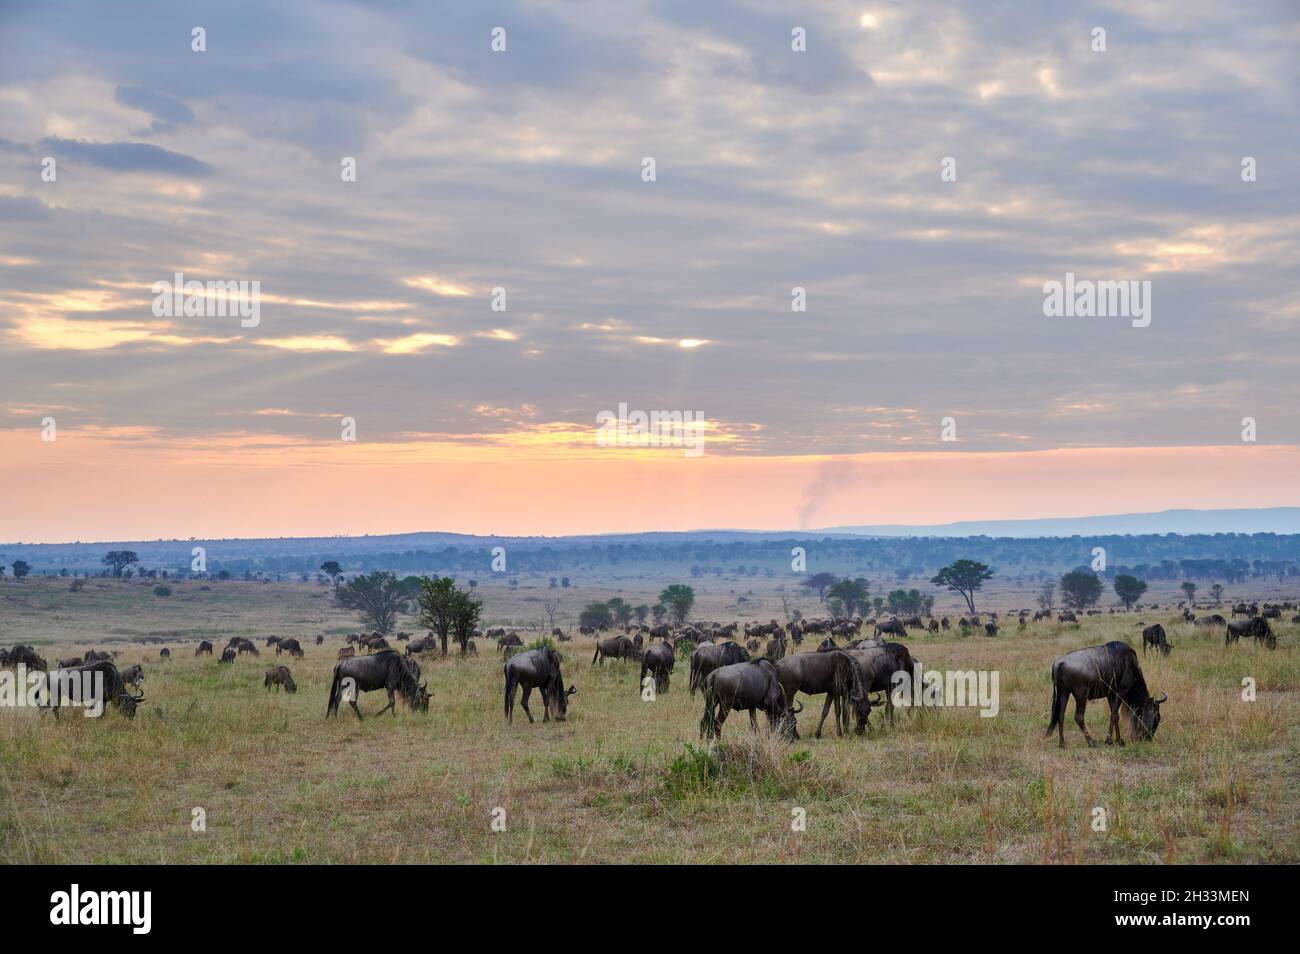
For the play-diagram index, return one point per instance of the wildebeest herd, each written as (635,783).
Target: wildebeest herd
(731,677)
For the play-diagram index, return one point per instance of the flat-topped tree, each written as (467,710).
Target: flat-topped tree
(964,577)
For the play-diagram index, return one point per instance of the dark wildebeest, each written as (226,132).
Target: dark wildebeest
(70,663)
(320,640)
(114,688)
(227,655)
(616,647)
(990,629)
(509,639)
(246,646)
(934,625)
(537,669)
(204,647)
(133,675)
(891,627)
(1155,636)
(280,676)
(28,657)
(347,652)
(751,686)
(273,641)
(416,646)
(1256,626)
(164,653)
(1109,672)
(658,660)
(290,646)
(386,670)
(877,666)
(376,643)
(1066,617)
(813,674)
(709,656)
(1214,620)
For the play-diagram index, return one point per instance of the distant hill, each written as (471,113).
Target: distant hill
(1183,522)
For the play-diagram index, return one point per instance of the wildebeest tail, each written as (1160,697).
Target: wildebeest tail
(510,694)
(695,675)
(333,707)
(710,711)
(1056,695)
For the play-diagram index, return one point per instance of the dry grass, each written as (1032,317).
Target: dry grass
(624,780)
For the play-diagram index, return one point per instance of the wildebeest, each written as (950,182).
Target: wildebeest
(1065,616)
(1109,672)
(990,629)
(813,674)
(247,646)
(28,657)
(751,686)
(658,660)
(204,647)
(133,675)
(347,652)
(113,687)
(616,647)
(507,639)
(227,655)
(891,627)
(375,643)
(386,670)
(164,653)
(709,656)
(1256,626)
(280,676)
(290,646)
(320,640)
(70,662)
(537,669)
(1213,620)
(876,666)
(415,646)
(273,641)
(1154,636)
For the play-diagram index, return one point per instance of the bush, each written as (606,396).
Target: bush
(542,642)
(161,590)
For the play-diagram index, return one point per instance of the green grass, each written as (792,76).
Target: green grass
(622,779)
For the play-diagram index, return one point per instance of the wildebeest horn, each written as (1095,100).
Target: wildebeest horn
(1164,697)
(800,709)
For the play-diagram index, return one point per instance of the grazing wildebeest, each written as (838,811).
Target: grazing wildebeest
(751,686)
(934,625)
(280,676)
(507,639)
(114,688)
(386,670)
(658,660)
(616,647)
(272,641)
(990,629)
(70,663)
(876,666)
(1214,620)
(164,653)
(94,656)
(709,656)
(1066,617)
(347,652)
(415,646)
(375,643)
(204,647)
(247,646)
(890,627)
(290,646)
(1155,636)
(320,640)
(227,655)
(1256,626)
(1109,672)
(813,674)
(133,675)
(28,657)
(470,648)
(537,669)
(945,623)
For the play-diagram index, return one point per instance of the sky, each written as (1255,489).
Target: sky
(501,269)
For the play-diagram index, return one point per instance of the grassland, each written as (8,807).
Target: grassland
(622,780)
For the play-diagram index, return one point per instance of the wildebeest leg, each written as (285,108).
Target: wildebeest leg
(523,701)
(353,704)
(546,704)
(753,720)
(597,656)
(1114,723)
(392,701)
(1080,707)
(825,709)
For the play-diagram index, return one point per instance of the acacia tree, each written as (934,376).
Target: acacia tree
(821,582)
(1190,589)
(1080,589)
(964,577)
(332,569)
(438,608)
(375,597)
(852,593)
(595,616)
(120,560)
(1129,589)
(1047,595)
(20,569)
(679,598)
(1217,592)
(465,613)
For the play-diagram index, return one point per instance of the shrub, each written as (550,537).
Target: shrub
(161,590)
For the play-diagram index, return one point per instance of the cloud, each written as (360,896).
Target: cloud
(127,157)
(167,113)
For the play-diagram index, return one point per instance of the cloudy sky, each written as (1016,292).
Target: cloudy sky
(523,170)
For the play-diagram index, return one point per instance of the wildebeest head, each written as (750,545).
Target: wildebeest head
(1146,718)
(413,690)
